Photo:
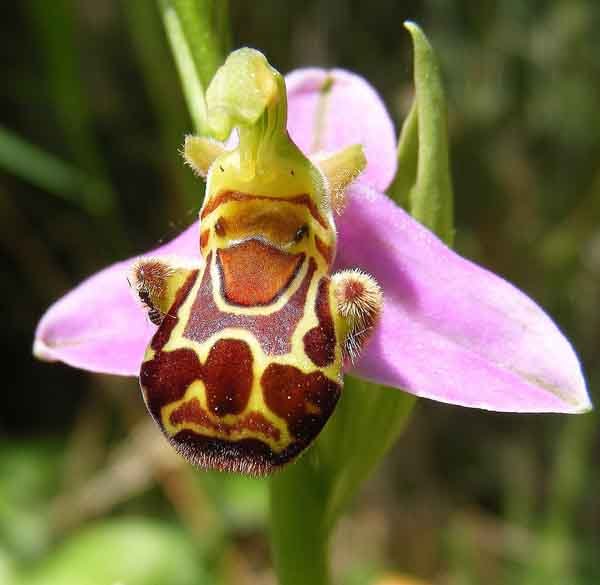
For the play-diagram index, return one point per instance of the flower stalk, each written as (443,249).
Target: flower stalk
(308,497)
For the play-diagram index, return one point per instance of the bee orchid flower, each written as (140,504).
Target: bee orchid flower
(438,325)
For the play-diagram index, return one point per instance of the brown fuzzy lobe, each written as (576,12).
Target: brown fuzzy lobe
(273,332)
(151,275)
(149,278)
(359,301)
(319,342)
(254,273)
(227,196)
(304,401)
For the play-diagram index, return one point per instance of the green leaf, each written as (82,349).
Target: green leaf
(8,573)
(369,419)
(408,159)
(132,552)
(46,171)
(192,29)
(430,197)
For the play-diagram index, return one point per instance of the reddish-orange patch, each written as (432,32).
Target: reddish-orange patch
(324,249)
(304,401)
(273,332)
(255,273)
(227,196)
(319,342)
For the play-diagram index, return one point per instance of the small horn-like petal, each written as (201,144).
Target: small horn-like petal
(99,325)
(451,330)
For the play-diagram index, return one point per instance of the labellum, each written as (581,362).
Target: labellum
(245,368)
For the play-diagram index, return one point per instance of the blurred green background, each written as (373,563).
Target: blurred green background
(92,118)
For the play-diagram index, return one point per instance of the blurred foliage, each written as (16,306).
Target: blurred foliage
(92,117)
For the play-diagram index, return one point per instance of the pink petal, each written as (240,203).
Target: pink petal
(349,112)
(450,330)
(99,325)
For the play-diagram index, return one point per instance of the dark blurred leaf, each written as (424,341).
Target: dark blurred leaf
(48,172)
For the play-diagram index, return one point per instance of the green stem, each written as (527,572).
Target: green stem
(299,537)
(193,89)
(190,26)
(202,25)
(308,497)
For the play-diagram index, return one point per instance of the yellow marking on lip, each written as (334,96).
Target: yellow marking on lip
(197,390)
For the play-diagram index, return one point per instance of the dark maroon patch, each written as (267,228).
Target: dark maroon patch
(257,423)
(304,401)
(273,332)
(192,412)
(161,337)
(228,376)
(166,377)
(319,342)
